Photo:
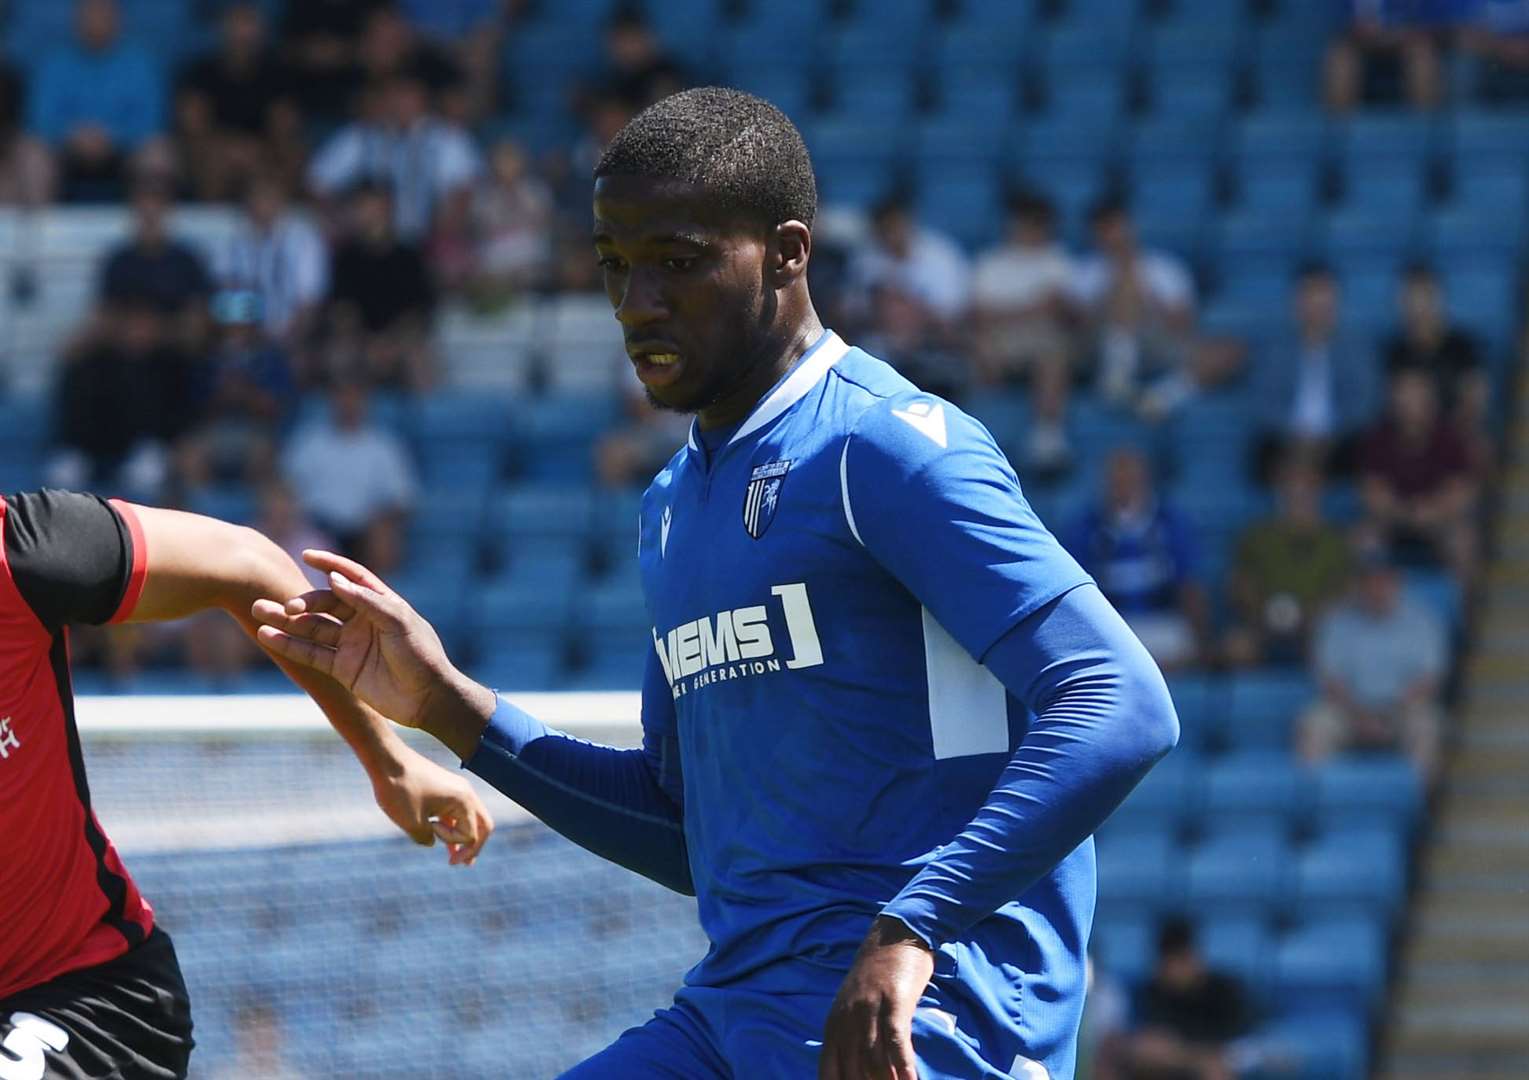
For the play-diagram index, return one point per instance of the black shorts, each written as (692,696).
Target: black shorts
(126,1019)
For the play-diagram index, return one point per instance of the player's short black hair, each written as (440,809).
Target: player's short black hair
(742,151)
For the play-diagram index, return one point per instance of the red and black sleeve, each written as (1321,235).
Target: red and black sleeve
(74,558)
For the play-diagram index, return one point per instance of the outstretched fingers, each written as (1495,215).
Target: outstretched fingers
(299,650)
(322,629)
(332,564)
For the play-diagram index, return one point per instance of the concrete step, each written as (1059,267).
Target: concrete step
(1473,761)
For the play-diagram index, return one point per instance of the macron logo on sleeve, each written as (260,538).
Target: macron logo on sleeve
(663,531)
(927,418)
(8,739)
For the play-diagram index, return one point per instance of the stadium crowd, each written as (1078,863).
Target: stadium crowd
(375,190)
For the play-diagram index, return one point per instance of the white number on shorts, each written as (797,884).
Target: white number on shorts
(21,1053)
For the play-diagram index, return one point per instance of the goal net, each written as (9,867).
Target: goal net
(317,942)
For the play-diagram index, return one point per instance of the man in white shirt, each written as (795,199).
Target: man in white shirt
(279,256)
(424,159)
(917,261)
(1139,305)
(1019,295)
(352,478)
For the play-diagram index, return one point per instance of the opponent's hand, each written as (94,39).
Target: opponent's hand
(363,635)
(869,1034)
(427,801)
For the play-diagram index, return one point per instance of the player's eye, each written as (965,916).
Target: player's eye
(612,263)
(680,263)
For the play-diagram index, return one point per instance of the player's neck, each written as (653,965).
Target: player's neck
(735,405)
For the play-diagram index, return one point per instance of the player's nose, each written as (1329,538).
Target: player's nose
(642,302)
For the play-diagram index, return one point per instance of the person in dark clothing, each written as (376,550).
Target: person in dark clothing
(121,402)
(152,266)
(1187,1014)
(235,108)
(381,297)
(1429,342)
(322,45)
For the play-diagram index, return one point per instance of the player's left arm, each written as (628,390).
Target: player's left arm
(87,561)
(1000,584)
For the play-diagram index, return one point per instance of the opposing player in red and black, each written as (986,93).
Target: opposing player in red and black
(89,986)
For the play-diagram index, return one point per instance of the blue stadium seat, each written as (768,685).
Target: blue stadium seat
(1080,55)
(1480,136)
(997,52)
(965,138)
(1126,947)
(1483,293)
(994,15)
(1287,74)
(888,48)
(1362,232)
(1071,186)
(1337,963)
(1368,280)
(1282,135)
(1322,1045)
(1107,22)
(840,138)
(1454,233)
(509,605)
(563,512)
(968,97)
(1171,202)
(1247,782)
(519,660)
(613,666)
(1164,139)
(1237,874)
(1209,47)
(1438,592)
(1385,189)
(1491,187)
(1139,872)
(854,183)
(1164,798)
(965,202)
(873,92)
(1192,95)
(1092,99)
(614,607)
(1355,869)
(542,53)
(787,88)
(1378,784)
(1262,708)
(1402,137)
(1198,700)
(227,502)
(469,465)
(459,414)
(1237,944)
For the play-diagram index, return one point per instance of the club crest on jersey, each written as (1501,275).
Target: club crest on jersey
(762,496)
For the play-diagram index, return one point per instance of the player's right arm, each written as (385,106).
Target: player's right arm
(624,805)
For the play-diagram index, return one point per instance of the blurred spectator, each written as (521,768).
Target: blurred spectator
(1389,54)
(629,456)
(235,109)
(637,69)
(281,518)
(390,47)
(321,39)
(921,263)
(422,158)
(120,403)
(243,392)
(1380,660)
(280,257)
(1188,1017)
(353,479)
(1315,389)
(1286,569)
(906,334)
(1139,307)
(1418,480)
(1499,38)
(1143,554)
(1019,295)
(1450,356)
(473,32)
(380,300)
(1045,456)
(495,240)
(27,175)
(100,103)
(153,267)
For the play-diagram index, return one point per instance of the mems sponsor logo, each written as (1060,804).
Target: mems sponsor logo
(739,644)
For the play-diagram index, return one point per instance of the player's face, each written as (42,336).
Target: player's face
(688,288)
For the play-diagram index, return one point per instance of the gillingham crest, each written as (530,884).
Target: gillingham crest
(762,496)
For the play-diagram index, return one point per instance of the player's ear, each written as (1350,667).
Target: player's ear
(792,249)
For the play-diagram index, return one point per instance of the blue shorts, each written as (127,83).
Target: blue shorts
(723,1034)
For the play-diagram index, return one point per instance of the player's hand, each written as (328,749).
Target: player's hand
(366,637)
(427,801)
(869,1034)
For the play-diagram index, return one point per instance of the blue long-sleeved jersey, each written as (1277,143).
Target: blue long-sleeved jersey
(878,685)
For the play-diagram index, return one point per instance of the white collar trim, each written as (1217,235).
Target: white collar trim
(827,351)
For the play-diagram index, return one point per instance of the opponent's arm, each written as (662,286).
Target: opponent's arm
(621,804)
(186,563)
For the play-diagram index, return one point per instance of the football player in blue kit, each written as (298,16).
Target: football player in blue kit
(883,711)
